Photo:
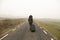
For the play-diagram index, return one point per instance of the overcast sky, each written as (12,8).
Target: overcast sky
(24,8)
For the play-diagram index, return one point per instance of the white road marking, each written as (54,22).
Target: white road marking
(41,27)
(3,37)
(44,31)
(52,39)
(7,34)
(18,26)
(14,29)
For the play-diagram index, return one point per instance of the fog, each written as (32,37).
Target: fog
(24,8)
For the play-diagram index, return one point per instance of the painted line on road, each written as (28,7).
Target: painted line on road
(14,29)
(17,27)
(11,30)
(41,27)
(3,37)
(52,39)
(20,25)
(44,31)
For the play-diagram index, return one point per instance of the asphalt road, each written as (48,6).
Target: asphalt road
(23,33)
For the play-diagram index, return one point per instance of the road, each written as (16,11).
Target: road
(23,33)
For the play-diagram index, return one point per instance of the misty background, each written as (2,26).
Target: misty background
(24,8)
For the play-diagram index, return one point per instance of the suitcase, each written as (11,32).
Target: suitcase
(32,28)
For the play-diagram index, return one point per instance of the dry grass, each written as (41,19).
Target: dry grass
(9,24)
(52,27)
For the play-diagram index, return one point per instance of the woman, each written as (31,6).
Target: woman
(30,20)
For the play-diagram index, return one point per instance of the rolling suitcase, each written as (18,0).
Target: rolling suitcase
(32,28)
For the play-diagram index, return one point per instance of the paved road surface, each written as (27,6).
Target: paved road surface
(23,33)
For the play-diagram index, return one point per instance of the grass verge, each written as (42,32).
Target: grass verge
(8,24)
(51,26)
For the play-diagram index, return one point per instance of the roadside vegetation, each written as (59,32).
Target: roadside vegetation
(7,24)
(53,26)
